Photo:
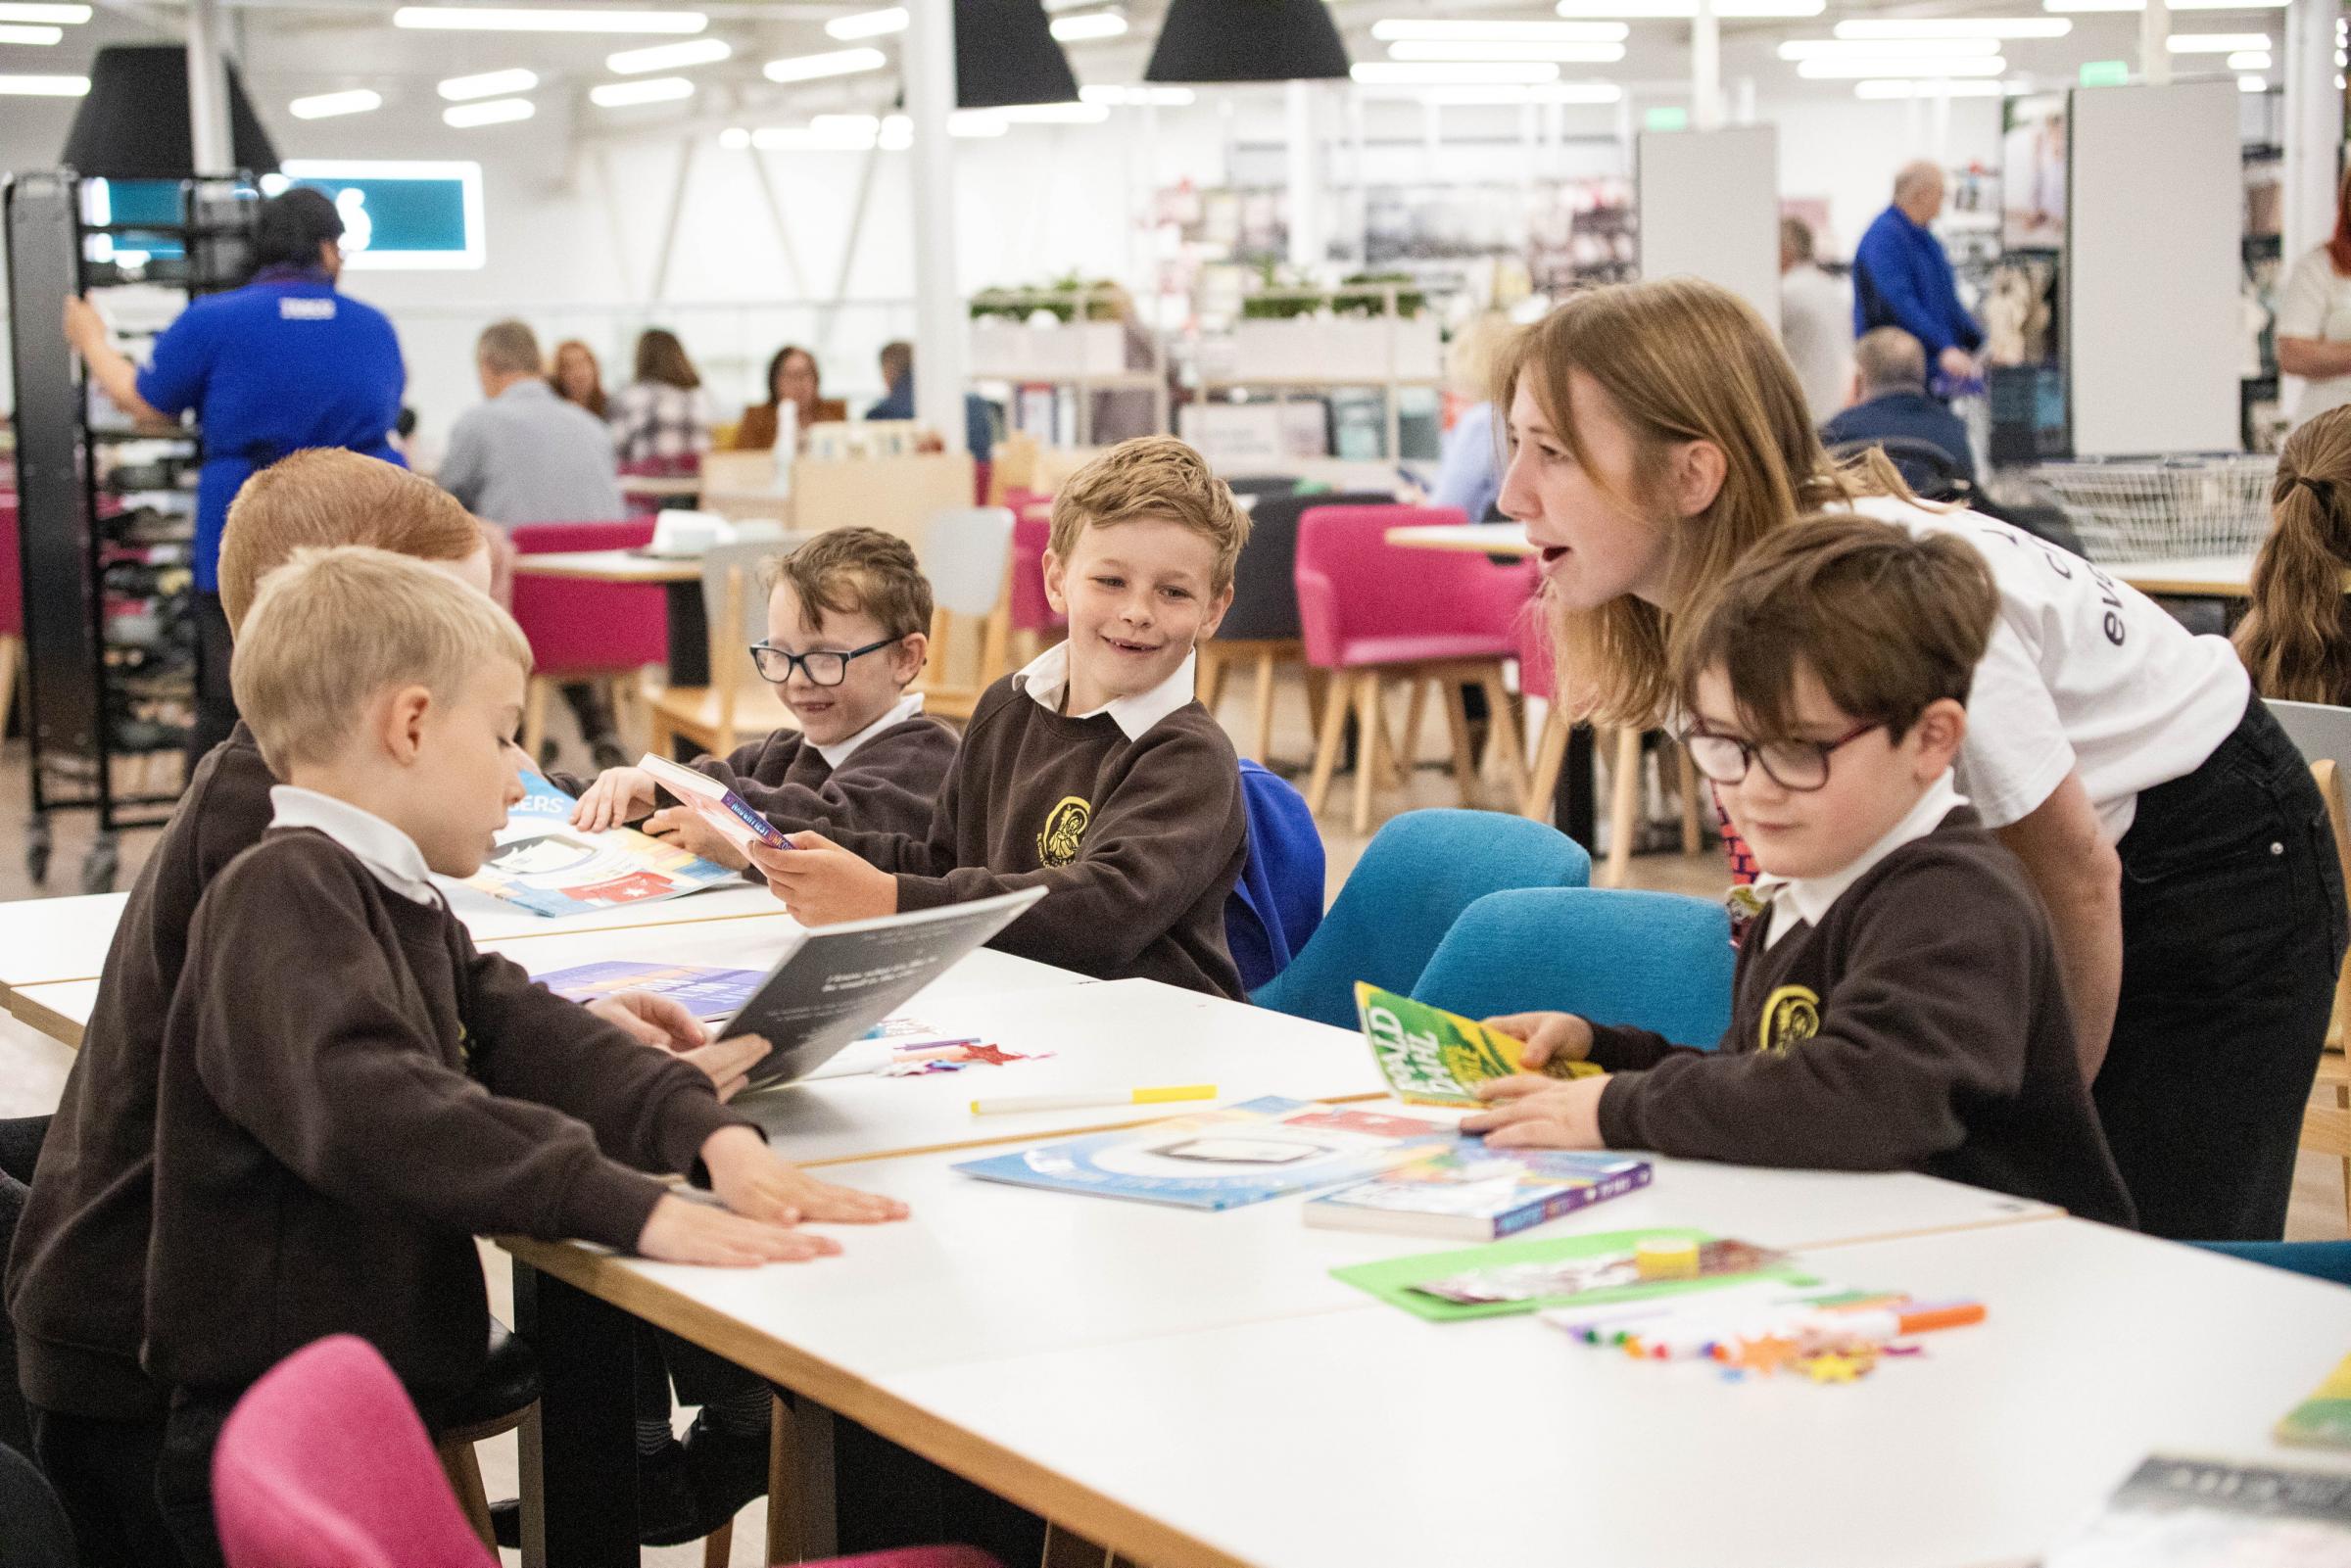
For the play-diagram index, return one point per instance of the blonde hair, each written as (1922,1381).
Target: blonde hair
(327,495)
(1470,358)
(1152,476)
(1677,361)
(332,627)
(2296,639)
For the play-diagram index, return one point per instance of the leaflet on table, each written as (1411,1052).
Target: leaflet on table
(1432,1057)
(1529,1272)
(728,814)
(835,983)
(2194,1513)
(2324,1420)
(1476,1194)
(542,863)
(1216,1160)
(707,991)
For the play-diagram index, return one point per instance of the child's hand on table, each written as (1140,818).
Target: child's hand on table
(822,883)
(753,1181)
(618,794)
(681,1231)
(1539,1113)
(1545,1037)
(687,827)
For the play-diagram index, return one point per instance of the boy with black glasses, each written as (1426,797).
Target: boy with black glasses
(1898,1003)
(849,622)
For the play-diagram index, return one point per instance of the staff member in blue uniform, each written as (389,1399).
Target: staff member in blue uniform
(282,364)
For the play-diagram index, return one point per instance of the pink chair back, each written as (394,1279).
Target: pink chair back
(324,1462)
(1362,601)
(589,627)
(11,573)
(1032,531)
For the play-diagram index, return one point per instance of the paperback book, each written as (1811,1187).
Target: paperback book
(1471,1193)
(704,991)
(1432,1057)
(727,813)
(542,863)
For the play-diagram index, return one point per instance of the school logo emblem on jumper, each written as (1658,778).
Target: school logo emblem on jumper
(1791,1016)
(1065,830)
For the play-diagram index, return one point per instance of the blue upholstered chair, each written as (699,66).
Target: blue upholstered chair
(2321,1259)
(1417,875)
(1656,961)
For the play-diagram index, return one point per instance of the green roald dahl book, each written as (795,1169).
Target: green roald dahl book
(1432,1057)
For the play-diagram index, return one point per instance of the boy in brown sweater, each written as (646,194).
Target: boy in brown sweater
(1898,1002)
(328,1144)
(849,621)
(1092,772)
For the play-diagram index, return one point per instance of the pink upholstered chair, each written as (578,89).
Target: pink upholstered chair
(12,606)
(582,631)
(1034,621)
(323,1461)
(1372,614)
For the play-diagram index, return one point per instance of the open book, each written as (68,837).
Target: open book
(544,864)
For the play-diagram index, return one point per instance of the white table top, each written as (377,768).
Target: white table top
(1481,539)
(608,566)
(493,919)
(2100,1347)
(45,939)
(2220,576)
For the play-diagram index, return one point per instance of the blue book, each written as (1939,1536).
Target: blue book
(707,993)
(1474,1193)
(1216,1160)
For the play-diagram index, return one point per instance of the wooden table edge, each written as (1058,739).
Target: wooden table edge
(1146,1115)
(46,1021)
(2189,587)
(655,573)
(1004,1471)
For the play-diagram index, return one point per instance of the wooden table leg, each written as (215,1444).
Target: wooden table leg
(585,1460)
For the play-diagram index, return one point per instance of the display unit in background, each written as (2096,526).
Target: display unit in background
(399,214)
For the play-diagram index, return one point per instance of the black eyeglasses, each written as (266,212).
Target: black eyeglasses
(823,668)
(1799,765)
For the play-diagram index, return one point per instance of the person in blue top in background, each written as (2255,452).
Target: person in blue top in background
(283,364)
(897,374)
(1902,278)
(1892,367)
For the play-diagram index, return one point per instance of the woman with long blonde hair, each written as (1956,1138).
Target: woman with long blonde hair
(1658,433)
(2296,639)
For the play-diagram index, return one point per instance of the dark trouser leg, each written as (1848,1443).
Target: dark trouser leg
(104,1472)
(887,1496)
(592,704)
(2232,933)
(183,1476)
(215,705)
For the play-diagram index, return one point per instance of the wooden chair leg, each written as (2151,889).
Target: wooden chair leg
(996,646)
(1407,748)
(12,654)
(783,1488)
(1327,743)
(534,717)
(1371,741)
(1066,1548)
(1318,692)
(718,1545)
(1457,726)
(1624,800)
(1502,732)
(464,1473)
(1265,706)
(1551,755)
(1694,833)
(1208,679)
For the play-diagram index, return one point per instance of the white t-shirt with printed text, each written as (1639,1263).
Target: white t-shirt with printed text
(2084,673)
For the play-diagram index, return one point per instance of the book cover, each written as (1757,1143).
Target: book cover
(1432,1057)
(1224,1159)
(2324,1420)
(728,813)
(2194,1513)
(1531,1273)
(542,863)
(707,992)
(1477,1194)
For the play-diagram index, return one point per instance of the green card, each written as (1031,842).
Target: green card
(1392,1281)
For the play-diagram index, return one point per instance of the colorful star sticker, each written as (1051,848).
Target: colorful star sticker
(1830,1368)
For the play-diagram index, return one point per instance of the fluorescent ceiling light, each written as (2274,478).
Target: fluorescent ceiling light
(1092,24)
(2215,44)
(669,56)
(814,68)
(1400,30)
(896,134)
(734,138)
(44,86)
(495,112)
(2249,60)
(1958,27)
(2252,85)
(868,23)
(1398,74)
(846,127)
(1565,92)
(1670,9)
(485,18)
(1843,69)
(1883,88)
(1077,113)
(2177,5)
(67,16)
(1136,97)
(489,84)
(327,105)
(1587,54)
(15,32)
(652,90)
(977,123)
(1886,48)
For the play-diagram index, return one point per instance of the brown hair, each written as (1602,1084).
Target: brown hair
(327,495)
(2296,639)
(1152,476)
(1888,622)
(302,679)
(849,571)
(1677,361)
(594,402)
(661,358)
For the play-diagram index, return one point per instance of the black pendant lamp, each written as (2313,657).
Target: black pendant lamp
(1247,40)
(133,123)
(1005,53)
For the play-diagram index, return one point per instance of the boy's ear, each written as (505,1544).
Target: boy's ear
(1056,577)
(1940,729)
(403,724)
(906,660)
(1214,616)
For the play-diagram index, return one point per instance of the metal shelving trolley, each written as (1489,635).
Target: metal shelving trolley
(106,510)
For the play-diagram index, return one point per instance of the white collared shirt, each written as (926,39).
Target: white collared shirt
(1806,900)
(390,855)
(1047,678)
(839,751)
